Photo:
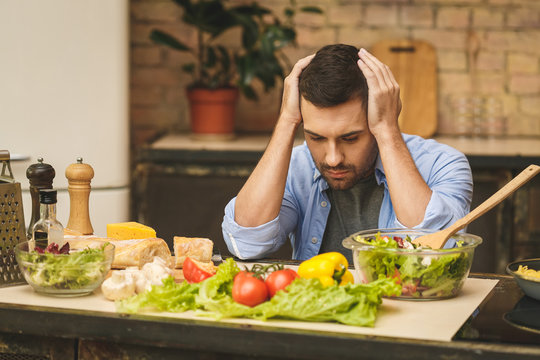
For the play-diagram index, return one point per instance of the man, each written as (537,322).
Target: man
(355,171)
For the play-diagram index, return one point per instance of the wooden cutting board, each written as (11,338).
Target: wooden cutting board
(424,320)
(414,65)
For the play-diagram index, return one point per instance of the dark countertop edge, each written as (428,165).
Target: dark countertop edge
(240,339)
(148,154)
(168,156)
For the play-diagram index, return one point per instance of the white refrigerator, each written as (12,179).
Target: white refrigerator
(64,85)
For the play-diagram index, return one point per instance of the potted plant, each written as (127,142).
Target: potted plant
(218,73)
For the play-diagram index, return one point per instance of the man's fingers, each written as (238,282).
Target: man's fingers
(382,71)
(371,70)
(301,64)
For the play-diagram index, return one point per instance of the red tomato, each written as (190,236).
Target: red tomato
(279,280)
(397,276)
(194,271)
(249,290)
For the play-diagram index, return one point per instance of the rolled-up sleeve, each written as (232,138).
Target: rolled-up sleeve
(255,242)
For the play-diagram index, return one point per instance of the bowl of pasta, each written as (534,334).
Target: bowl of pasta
(527,275)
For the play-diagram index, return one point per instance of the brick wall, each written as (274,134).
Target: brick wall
(507,66)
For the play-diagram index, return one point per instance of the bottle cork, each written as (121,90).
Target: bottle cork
(79,176)
(40,176)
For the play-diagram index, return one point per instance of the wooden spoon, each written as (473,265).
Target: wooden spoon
(439,238)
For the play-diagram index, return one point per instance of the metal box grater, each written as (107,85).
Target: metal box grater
(12,229)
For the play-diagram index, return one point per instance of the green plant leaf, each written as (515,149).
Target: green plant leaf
(251,10)
(312,9)
(210,58)
(288,12)
(249,92)
(189,68)
(163,38)
(224,57)
(246,69)
(210,17)
(250,30)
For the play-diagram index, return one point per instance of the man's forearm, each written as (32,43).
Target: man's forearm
(409,192)
(259,200)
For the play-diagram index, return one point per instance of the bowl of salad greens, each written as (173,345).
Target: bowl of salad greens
(423,273)
(61,271)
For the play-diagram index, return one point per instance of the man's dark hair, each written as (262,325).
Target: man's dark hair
(333,77)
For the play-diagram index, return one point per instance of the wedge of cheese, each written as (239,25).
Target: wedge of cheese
(199,249)
(129,230)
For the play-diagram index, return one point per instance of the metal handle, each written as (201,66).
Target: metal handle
(4,155)
(19,157)
(4,158)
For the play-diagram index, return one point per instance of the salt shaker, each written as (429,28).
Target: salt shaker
(79,176)
(41,176)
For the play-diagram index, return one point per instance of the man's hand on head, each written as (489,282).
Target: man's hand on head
(290,105)
(384,104)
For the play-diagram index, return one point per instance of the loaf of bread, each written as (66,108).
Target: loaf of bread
(199,249)
(135,252)
(139,252)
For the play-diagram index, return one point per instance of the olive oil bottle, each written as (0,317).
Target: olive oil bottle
(47,229)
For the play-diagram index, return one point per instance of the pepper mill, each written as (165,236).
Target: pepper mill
(41,176)
(79,176)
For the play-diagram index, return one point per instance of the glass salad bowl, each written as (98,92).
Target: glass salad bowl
(424,273)
(76,273)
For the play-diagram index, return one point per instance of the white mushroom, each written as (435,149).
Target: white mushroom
(156,271)
(141,282)
(119,286)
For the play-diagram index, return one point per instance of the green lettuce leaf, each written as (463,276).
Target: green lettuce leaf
(171,297)
(308,300)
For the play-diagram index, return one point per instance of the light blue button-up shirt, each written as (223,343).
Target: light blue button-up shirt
(305,207)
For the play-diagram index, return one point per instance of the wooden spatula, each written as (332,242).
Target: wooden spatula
(439,238)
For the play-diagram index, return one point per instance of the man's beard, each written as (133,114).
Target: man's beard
(354,174)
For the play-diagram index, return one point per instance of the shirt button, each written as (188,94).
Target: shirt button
(324,203)
(314,240)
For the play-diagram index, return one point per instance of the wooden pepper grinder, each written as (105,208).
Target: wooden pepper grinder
(41,176)
(79,176)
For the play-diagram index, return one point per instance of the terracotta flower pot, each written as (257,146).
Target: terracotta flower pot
(212,111)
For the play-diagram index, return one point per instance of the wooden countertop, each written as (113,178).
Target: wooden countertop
(507,146)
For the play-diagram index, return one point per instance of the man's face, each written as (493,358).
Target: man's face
(340,142)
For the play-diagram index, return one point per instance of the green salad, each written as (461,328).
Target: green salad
(421,275)
(305,299)
(75,270)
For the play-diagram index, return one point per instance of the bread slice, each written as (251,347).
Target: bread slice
(135,252)
(199,249)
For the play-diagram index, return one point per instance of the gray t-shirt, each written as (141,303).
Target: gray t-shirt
(352,210)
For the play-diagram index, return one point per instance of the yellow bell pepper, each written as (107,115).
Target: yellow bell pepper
(347,278)
(328,268)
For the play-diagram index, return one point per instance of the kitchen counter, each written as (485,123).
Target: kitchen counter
(509,152)
(61,333)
